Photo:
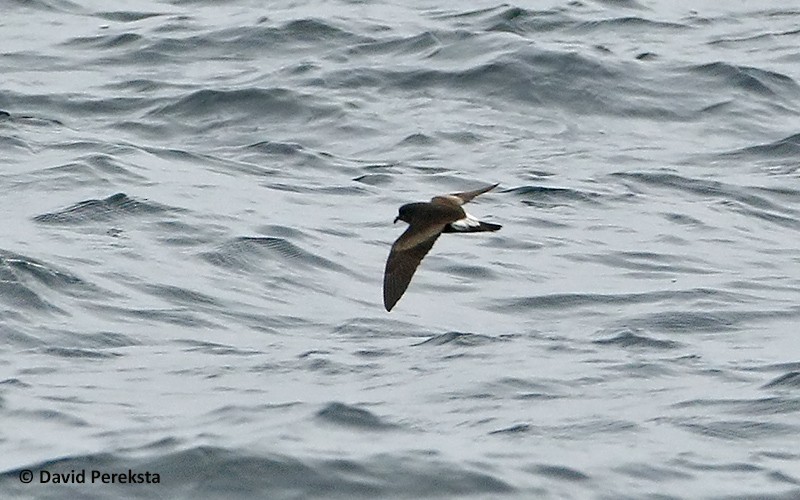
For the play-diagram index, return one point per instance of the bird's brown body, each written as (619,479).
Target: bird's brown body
(426,221)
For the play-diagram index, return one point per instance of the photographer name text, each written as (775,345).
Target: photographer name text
(84,476)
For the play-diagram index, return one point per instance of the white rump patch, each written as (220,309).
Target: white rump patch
(465,224)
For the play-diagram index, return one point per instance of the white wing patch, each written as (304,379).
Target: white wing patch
(466,224)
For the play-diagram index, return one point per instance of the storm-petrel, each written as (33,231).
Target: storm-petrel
(426,221)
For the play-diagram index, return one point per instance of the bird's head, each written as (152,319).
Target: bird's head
(404,214)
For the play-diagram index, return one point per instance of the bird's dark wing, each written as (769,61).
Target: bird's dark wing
(461,198)
(402,263)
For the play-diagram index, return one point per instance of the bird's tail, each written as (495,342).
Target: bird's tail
(480,227)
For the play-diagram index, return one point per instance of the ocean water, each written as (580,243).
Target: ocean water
(197,202)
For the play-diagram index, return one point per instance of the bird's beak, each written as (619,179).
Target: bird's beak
(396,219)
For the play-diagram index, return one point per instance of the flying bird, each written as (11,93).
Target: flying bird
(426,221)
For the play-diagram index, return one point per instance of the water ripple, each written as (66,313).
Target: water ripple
(111,208)
(342,414)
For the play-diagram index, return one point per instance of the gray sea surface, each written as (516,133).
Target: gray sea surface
(197,201)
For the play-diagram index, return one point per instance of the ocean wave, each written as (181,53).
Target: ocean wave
(560,472)
(249,253)
(637,339)
(277,102)
(790,380)
(656,263)
(62,6)
(757,406)
(737,430)
(342,414)
(461,339)
(528,22)
(565,301)
(788,147)
(106,209)
(712,189)
(28,283)
(242,474)
(632,23)
(750,79)
(421,44)
(107,41)
(546,196)
(293,35)
(127,16)
(688,321)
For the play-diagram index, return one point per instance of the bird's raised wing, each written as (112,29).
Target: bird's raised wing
(461,198)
